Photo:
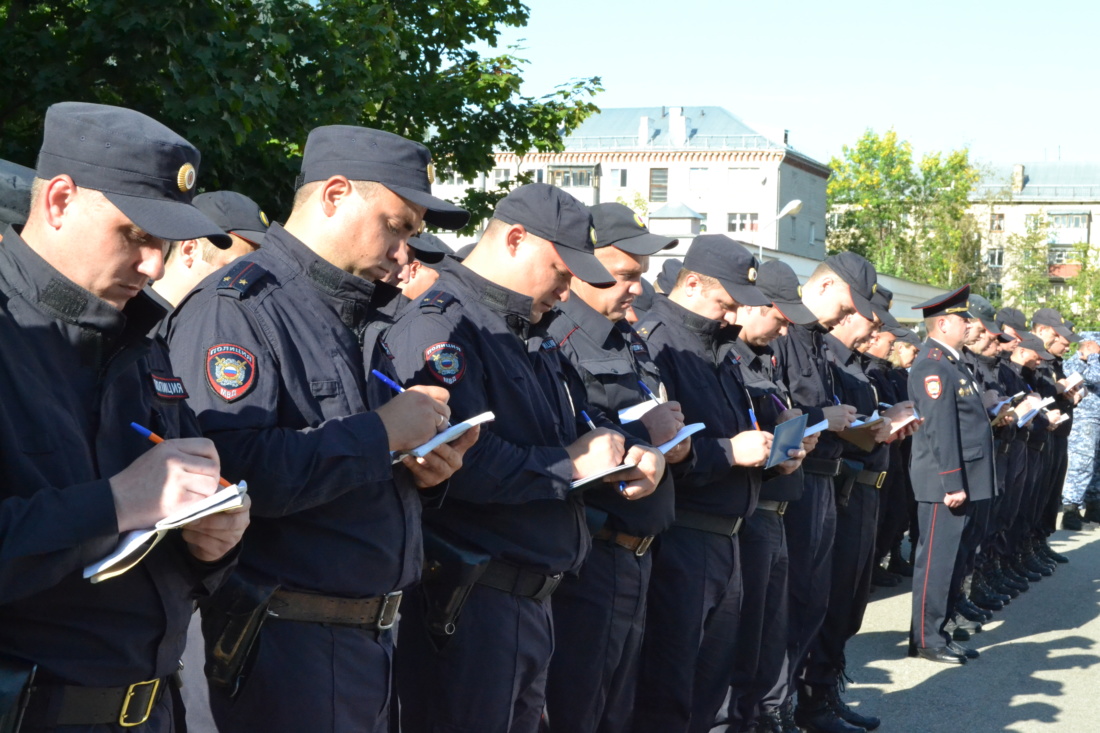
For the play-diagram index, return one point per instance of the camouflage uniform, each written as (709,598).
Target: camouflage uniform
(1082,482)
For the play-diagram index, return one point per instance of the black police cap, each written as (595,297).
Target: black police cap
(666,278)
(234,213)
(1051,317)
(620,226)
(730,263)
(429,248)
(777,281)
(365,154)
(860,276)
(953,303)
(554,215)
(881,303)
(910,338)
(147,171)
(982,309)
(1029,340)
(1011,317)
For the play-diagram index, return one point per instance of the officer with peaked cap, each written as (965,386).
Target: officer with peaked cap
(76,369)
(476,639)
(599,613)
(279,347)
(697,570)
(951,470)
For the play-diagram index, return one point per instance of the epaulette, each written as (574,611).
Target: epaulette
(240,278)
(436,301)
(935,353)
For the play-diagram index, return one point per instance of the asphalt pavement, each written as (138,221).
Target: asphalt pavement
(1039,668)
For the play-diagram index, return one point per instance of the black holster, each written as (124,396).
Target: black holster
(845,481)
(16,678)
(451,568)
(231,622)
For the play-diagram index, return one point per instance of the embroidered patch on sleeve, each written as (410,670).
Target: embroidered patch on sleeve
(230,371)
(933,387)
(168,388)
(445,361)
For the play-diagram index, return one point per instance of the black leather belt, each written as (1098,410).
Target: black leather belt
(874,479)
(713,523)
(519,581)
(49,706)
(821,466)
(638,545)
(377,613)
(779,507)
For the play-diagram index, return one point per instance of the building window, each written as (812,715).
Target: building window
(698,178)
(451,179)
(813,234)
(500,175)
(1033,222)
(996,222)
(702,223)
(742,223)
(993,292)
(794,221)
(1070,221)
(539,175)
(618,177)
(571,177)
(1059,255)
(995,257)
(658,184)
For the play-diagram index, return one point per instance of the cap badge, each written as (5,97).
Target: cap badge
(638,220)
(592,234)
(874,288)
(799,291)
(890,304)
(264,219)
(751,275)
(431,172)
(185,179)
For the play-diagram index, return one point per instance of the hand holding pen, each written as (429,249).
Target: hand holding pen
(415,415)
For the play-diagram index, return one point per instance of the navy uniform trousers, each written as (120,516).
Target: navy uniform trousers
(946,539)
(586,696)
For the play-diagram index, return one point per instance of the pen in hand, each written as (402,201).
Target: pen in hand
(592,426)
(779,403)
(648,391)
(387,381)
(157,439)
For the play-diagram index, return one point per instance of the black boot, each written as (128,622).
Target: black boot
(898,564)
(1092,511)
(865,722)
(1071,517)
(1049,552)
(815,713)
(883,578)
(786,716)
(1021,568)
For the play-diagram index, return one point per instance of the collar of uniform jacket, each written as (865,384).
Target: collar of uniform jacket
(841,352)
(595,324)
(750,356)
(714,334)
(508,303)
(24,271)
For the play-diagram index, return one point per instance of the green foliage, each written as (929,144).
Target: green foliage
(245,80)
(637,202)
(909,220)
(1027,285)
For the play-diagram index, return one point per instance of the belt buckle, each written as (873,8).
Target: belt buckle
(643,546)
(387,615)
(782,508)
(881,480)
(549,585)
(130,692)
(736,526)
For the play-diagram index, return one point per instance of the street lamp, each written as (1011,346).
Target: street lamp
(793,207)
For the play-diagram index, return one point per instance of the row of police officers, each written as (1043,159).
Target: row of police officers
(625,546)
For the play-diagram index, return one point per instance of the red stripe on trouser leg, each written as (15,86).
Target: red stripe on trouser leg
(927,565)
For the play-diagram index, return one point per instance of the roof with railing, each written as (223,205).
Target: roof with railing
(1058,181)
(707,128)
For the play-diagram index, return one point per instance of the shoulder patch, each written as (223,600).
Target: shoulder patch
(230,371)
(445,361)
(935,353)
(168,388)
(549,344)
(933,386)
(240,278)
(436,301)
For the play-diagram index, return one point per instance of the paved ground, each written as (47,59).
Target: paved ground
(1039,669)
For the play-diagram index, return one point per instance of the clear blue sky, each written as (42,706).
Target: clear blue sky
(1012,81)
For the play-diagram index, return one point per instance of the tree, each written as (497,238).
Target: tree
(245,80)
(909,220)
(1026,283)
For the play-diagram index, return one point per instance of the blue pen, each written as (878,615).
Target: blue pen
(387,381)
(588,420)
(648,391)
(752,416)
(836,400)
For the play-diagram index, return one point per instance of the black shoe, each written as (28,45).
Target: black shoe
(964,650)
(969,611)
(866,722)
(768,722)
(884,579)
(822,719)
(786,717)
(1092,512)
(1035,565)
(985,601)
(1021,568)
(1071,518)
(972,627)
(898,565)
(1055,556)
(958,633)
(1001,585)
(941,655)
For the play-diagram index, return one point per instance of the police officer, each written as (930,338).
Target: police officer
(835,289)
(1085,436)
(599,612)
(279,348)
(419,274)
(952,468)
(753,657)
(77,367)
(696,568)
(510,526)
(191,260)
